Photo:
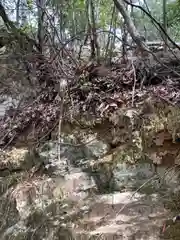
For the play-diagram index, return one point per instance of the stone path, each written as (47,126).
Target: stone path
(125,215)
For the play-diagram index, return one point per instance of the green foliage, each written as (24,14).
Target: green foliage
(71,17)
(173,12)
(155,7)
(75,13)
(144,23)
(173,15)
(30,4)
(28,29)
(106,9)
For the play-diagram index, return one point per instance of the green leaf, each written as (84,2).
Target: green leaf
(30,4)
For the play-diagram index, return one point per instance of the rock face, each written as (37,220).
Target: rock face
(124,216)
(118,185)
(54,204)
(38,205)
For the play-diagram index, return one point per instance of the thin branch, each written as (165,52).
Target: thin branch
(154,20)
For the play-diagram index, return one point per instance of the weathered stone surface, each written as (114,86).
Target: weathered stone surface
(62,200)
(18,159)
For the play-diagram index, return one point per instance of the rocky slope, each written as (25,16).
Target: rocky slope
(41,200)
(109,169)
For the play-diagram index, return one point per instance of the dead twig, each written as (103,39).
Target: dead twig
(134,85)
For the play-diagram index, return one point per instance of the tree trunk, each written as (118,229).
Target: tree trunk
(17,12)
(165,24)
(40,6)
(130,25)
(25,42)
